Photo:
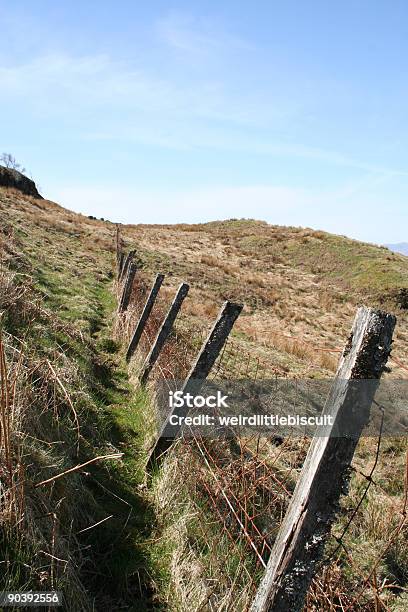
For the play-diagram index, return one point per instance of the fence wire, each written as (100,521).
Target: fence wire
(245,484)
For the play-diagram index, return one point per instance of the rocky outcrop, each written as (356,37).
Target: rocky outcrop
(13,178)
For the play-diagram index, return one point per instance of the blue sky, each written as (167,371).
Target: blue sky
(292,112)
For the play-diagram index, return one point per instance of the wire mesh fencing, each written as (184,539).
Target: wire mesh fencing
(241,486)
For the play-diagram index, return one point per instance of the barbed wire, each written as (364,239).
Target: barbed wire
(248,481)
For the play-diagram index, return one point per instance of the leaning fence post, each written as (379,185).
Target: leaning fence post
(144,316)
(206,358)
(163,333)
(300,540)
(127,288)
(127,262)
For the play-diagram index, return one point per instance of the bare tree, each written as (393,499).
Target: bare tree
(9,161)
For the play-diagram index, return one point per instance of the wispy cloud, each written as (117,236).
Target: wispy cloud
(111,101)
(95,81)
(63,81)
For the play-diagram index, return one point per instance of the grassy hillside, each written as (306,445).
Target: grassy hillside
(100,533)
(299,282)
(68,392)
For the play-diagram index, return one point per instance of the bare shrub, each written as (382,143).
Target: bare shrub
(8,161)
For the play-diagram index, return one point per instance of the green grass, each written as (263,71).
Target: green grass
(73,330)
(163,542)
(351,263)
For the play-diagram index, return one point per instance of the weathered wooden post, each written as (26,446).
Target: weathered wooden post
(128,261)
(206,358)
(300,541)
(163,332)
(119,252)
(144,316)
(121,261)
(118,243)
(127,288)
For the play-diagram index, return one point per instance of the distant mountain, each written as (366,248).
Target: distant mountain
(399,247)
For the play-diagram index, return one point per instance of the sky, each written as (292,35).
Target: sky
(167,112)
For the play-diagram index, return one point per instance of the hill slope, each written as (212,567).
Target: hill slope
(98,534)
(296,282)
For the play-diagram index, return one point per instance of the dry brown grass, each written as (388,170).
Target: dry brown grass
(305,351)
(294,309)
(21,460)
(12,479)
(201,308)
(220,263)
(270,269)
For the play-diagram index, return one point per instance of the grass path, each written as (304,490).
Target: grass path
(108,508)
(123,569)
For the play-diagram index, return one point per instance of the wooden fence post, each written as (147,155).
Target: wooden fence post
(144,316)
(121,261)
(206,358)
(119,252)
(127,288)
(125,267)
(163,333)
(300,541)
(118,243)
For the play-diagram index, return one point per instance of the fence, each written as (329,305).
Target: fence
(274,519)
